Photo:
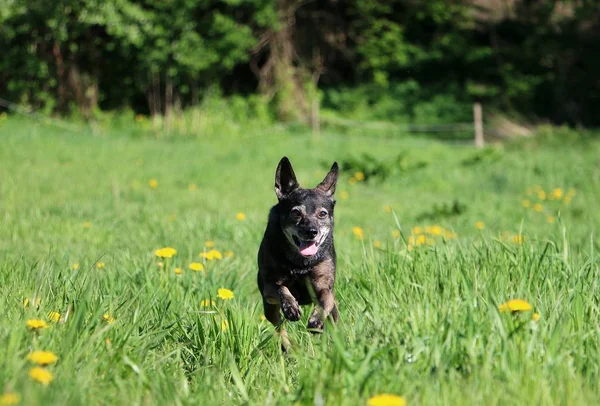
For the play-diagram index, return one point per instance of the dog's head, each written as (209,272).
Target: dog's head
(305,215)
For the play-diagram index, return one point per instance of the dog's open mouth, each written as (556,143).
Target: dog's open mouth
(307,248)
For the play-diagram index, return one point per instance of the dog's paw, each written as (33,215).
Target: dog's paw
(315,324)
(291,310)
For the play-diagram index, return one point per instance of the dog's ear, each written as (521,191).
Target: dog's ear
(285,179)
(328,184)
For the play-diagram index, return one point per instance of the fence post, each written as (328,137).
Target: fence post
(478,123)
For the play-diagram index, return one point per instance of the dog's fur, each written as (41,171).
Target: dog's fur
(290,272)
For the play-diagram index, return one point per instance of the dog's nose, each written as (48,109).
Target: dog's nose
(313,232)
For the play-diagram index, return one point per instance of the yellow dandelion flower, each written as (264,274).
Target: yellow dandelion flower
(166,252)
(192,187)
(10,399)
(207,303)
(550,219)
(240,216)
(225,294)
(518,239)
(385,399)
(178,271)
(160,264)
(42,357)
(107,341)
(224,325)
(535,316)
(556,194)
(538,207)
(352,180)
(75,266)
(396,233)
(409,247)
(434,230)
(100,265)
(35,324)
(377,244)
(209,244)
(40,375)
(421,239)
(541,195)
(526,203)
(343,195)
(567,199)
(479,225)
(54,317)
(108,318)
(87,224)
(153,183)
(387,208)
(359,176)
(211,255)
(417,230)
(196,266)
(228,254)
(358,232)
(515,305)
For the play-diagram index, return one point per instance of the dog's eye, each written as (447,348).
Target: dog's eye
(322,214)
(296,213)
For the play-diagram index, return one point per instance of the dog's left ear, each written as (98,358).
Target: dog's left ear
(328,184)
(285,178)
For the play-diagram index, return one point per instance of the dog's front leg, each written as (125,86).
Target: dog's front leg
(289,304)
(324,306)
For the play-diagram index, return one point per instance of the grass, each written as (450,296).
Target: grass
(422,323)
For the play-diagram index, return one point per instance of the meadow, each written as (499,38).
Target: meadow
(432,239)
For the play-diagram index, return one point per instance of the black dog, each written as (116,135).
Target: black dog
(296,259)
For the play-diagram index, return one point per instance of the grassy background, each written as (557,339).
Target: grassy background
(422,323)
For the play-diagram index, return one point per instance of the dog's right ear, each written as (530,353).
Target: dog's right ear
(285,179)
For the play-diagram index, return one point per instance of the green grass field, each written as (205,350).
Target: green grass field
(419,294)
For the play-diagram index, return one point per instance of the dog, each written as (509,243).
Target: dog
(296,258)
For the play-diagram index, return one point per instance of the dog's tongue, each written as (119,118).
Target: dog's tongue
(308,248)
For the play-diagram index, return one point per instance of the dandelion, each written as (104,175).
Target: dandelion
(211,255)
(100,265)
(515,305)
(209,244)
(153,183)
(541,195)
(343,195)
(556,194)
(75,266)
(54,317)
(166,252)
(87,225)
(40,375)
(208,303)
(240,216)
(196,266)
(26,302)
(108,318)
(387,208)
(178,271)
(35,324)
(352,180)
(417,230)
(9,399)
(434,230)
(377,244)
(358,232)
(42,357)
(550,219)
(160,264)
(535,316)
(224,325)
(538,207)
(396,233)
(107,341)
(192,187)
(225,294)
(359,176)
(479,225)
(228,254)
(518,239)
(385,399)
(526,203)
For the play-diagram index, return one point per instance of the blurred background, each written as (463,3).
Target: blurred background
(421,64)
